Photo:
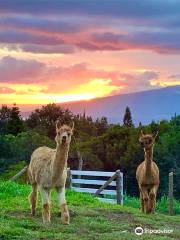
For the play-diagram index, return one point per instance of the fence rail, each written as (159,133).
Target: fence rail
(92,173)
(92,182)
(19,174)
(86,184)
(94,190)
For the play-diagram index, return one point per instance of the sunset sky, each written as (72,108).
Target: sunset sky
(65,50)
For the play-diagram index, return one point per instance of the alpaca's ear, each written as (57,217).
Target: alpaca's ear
(142,134)
(155,134)
(58,124)
(72,126)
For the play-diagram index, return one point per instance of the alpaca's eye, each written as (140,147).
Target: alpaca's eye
(68,134)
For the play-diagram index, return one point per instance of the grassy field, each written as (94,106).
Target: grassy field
(90,219)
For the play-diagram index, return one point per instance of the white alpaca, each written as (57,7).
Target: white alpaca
(48,169)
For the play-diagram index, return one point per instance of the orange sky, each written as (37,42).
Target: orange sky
(86,53)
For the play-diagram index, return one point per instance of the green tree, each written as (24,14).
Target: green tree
(127,120)
(167,155)
(26,142)
(154,127)
(5,113)
(15,123)
(102,125)
(6,155)
(44,118)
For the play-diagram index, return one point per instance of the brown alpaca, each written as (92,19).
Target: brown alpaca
(147,175)
(47,170)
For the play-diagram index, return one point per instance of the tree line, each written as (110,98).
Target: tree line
(102,146)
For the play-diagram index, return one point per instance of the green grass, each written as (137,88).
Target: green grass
(90,219)
(161,206)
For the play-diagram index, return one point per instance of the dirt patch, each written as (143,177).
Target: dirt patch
(117,216)
(22,214)
(18,213)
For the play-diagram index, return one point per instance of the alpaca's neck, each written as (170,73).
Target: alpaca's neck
(59,162)
(148,160)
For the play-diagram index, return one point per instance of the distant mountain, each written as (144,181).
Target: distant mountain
(145,106)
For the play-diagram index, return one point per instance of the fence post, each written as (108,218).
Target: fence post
(118,186)
(170,193)
(69,178)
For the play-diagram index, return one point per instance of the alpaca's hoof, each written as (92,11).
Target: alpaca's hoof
(65,220)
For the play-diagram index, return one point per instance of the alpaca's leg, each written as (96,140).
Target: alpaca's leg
(45,194)
(63,205)
(152,199)
(142,202)
(33,198)
(145,199)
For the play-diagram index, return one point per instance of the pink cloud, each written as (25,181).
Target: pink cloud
(20,71)
(59,79)
(6,90)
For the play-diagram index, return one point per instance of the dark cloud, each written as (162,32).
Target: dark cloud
(128,8)
(63,48)
(63,26)
(44,24)
(162,42)
(14,36)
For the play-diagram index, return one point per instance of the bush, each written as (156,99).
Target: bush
(19,148)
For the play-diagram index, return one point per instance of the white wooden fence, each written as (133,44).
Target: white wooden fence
(95,182)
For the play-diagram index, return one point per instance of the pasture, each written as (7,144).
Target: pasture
(90,219)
